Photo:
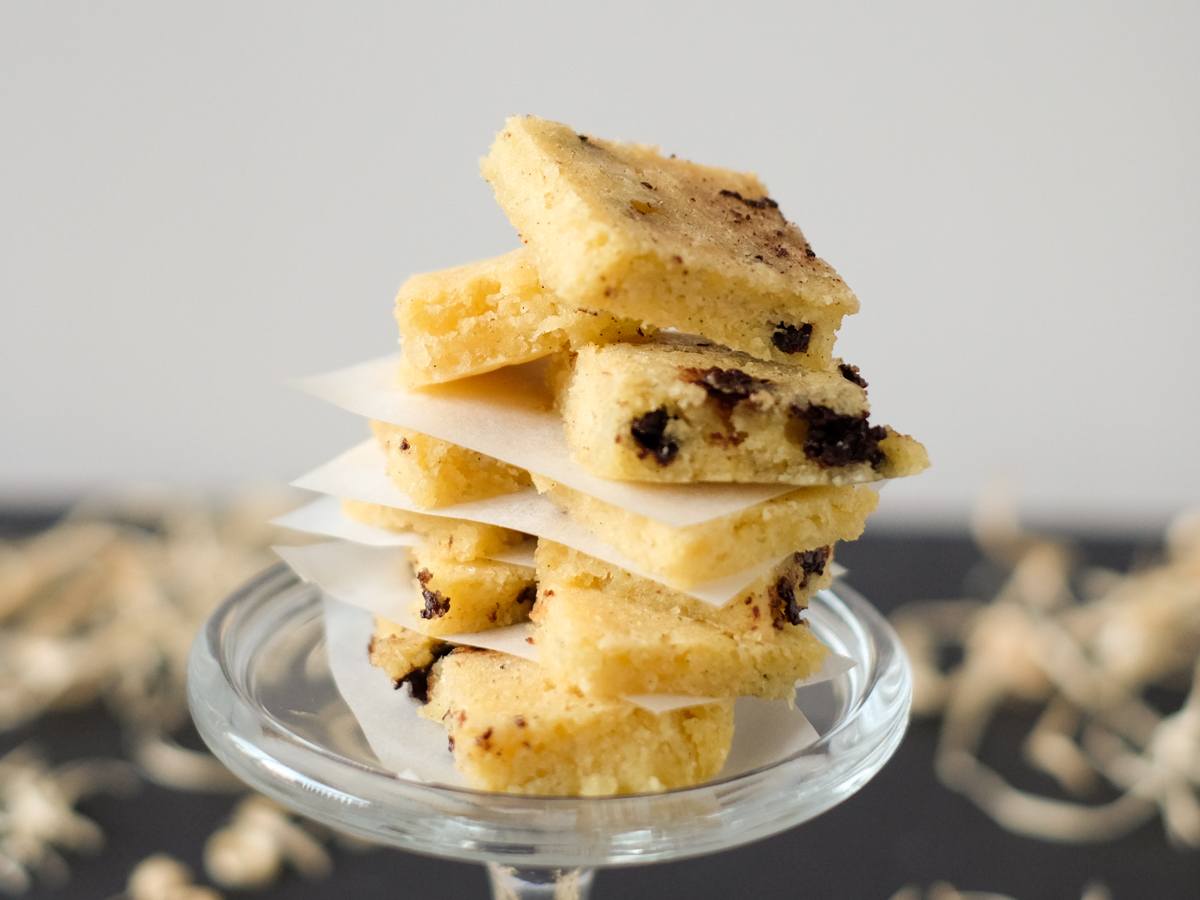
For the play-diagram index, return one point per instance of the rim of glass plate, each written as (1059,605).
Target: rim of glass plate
(887,659)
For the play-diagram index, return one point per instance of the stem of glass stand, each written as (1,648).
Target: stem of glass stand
(509,883)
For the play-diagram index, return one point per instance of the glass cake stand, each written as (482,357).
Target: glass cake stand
(263,698)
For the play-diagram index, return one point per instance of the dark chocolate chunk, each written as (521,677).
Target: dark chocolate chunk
(812,562)
(791,338)
(837,440)
(727,387)
(649,431)
(404,444)
(752,202)
(528,594)
(785,607)
(418,679)
(851,373)
(582,137)
(436,604)
(649,186)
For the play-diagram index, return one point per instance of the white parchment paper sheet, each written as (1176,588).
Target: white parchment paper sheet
(507,414)
(415,748)
(359,474)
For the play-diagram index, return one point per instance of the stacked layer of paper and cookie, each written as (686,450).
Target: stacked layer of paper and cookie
(620,457)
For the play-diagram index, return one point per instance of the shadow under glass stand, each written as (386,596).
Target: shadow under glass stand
(263,698)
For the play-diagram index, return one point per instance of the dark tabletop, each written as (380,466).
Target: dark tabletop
(902,828)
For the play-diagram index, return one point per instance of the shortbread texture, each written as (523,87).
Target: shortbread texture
(486,315)
(624,229)
(675,411)
(400,651)
(610,633)
(687,556)
(513,729)
(455,537)
(454,596)
(437,473)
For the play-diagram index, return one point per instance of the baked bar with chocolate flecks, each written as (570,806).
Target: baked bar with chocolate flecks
(611,633)
(623,229)
(514,729)
(489,314)
(693,554)
(684,411)
(437,473)
(456,596)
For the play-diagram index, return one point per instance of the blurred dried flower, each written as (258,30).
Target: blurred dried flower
(1086,645)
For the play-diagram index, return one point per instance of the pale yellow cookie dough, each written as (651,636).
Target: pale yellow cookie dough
(679,411)
(686,556)
(490,314)
(611,633)
(514,729)
(624,229)
(437,473)
(455,596)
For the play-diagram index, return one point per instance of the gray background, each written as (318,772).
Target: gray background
(198,201)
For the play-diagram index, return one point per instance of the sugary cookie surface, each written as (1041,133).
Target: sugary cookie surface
(454,596)
(486,315)
(678,411)
(437,473)
(513,729)
(686,556)
(611,633)
(625,229)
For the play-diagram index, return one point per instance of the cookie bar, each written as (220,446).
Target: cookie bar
(437,473)
(458,538)
(611,633)
(623,229)
(687,556)
(456,596)
(485,315)
(513,729)
(683,411)
(405,655)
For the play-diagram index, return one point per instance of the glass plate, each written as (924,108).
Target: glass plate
(263,698)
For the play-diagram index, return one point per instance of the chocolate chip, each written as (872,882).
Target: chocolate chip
(519,721)
(649,431)
(418,679)
(528,594)
(582,137)
(404,444)
(851,373)
(837,440)
(727,387)
(436,604)
(812,562)
(649,186)
(485,740)
(792,339)
(783,602)
(785,607)
(753,202)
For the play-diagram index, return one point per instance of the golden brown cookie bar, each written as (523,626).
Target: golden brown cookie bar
(457,597)
(489,314)
(455,537)
(610,633)
(437,473)
(513,729)
(623,229)
(684,411)
(691,555)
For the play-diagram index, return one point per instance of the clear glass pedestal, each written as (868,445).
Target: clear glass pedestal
(263,698)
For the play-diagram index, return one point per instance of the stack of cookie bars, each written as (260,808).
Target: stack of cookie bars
(685,333)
